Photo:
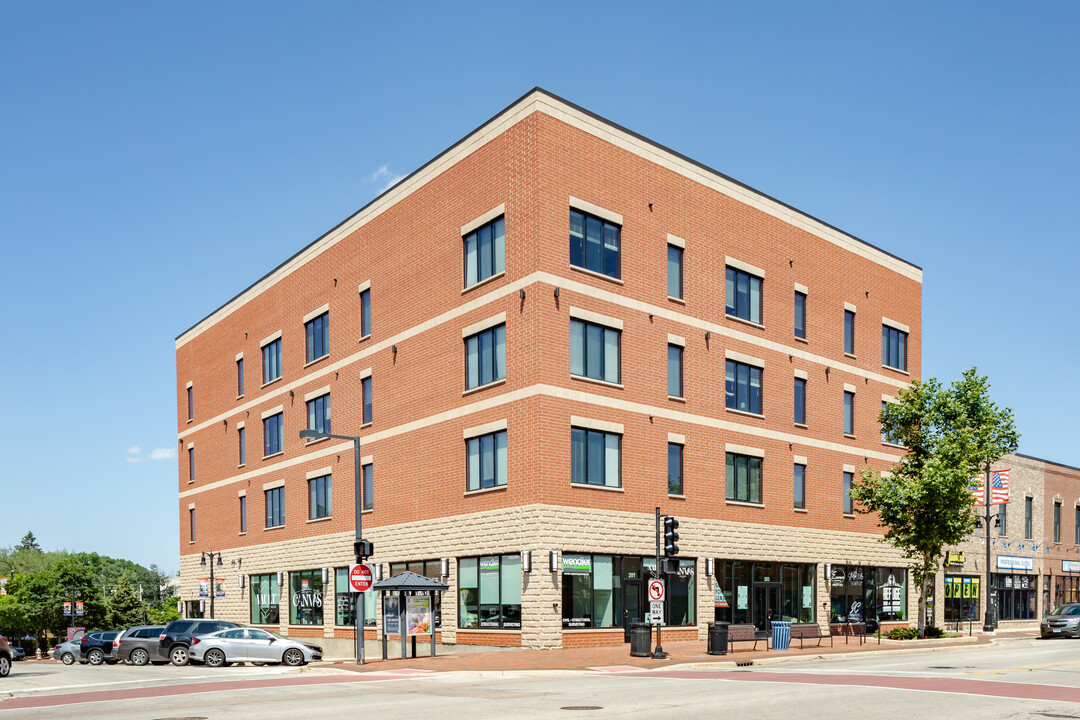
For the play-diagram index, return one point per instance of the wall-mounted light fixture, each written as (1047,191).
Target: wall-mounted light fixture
(378,571)
(553,561)
(526,561)
(521,293)
(707,335)
(828,573)
(325,576)
(291,394)
(444,567)
(281,578)
(240,580)
(393,349)
(556,292)
(709,567)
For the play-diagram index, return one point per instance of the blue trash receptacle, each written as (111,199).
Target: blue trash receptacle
(781,634)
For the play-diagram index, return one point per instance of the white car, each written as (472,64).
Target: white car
(68,652)
(253,645)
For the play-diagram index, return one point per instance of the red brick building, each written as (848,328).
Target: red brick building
(541,335)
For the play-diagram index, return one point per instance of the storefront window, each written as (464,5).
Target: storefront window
(863,594)
(1066,589)
(605,591)
(759,592)
(345,603)
(265,599)
(306,598)
(961,598)
(429,569)
(1016,595)
(489,592)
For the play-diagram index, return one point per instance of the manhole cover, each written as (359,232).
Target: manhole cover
(582,707)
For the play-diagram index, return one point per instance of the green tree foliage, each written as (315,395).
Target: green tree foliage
(124,608)
(924,503)
(29,542)
(166,613)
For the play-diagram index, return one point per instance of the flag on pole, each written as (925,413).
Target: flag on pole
(999,488)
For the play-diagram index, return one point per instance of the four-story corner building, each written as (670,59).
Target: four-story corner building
(543,334)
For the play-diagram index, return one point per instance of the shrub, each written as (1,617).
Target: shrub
(903,633)
(933,631)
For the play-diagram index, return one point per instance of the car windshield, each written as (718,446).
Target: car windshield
(1066,610)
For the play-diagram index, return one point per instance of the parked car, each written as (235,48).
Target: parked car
(68,652)
(5,657)
(251,645)
(138,644)
(1064,620)
(97,647)
(175,639)
(17,652)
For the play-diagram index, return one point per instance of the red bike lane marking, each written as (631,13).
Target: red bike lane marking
(22,703)
(956,686)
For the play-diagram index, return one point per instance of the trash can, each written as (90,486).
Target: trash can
(717,644)
(781,634)
(640,640)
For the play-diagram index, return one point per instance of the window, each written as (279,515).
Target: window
(271,357)
(369,487)
(849,332)
(858,593)
(594,244)
(243,513)
(485,252)
(1003,518)
(318,414)
(265,599)
(1016,596)
(318,337)
(485,357)
(346,601)
(489,589)
(319,497)
(800,401)
(741,604)
(275,507)
(961,598)
(306,598)
(674,371)
(800,486)
(594,351)
(365,313)
(743,387)
(486,461)
(191,464)
(365,388)
(674,271)
(604,591)
(743,292)
(272,433)
(595,458)
(190,403)
(191,524)
(884,435)
(744,478)
(893,348)
(848,508)
(1076,526)
(800,315)
(674,469)
(1057,522)
(240,377)
(429,569)
(242,443)
(849,413)
(1027,517)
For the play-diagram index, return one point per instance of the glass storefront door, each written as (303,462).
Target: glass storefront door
(766,605)
(631,602)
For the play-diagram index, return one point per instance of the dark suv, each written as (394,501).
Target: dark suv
(138,644)
(97,647)
(175,639)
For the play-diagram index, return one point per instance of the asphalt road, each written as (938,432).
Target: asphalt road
(1013,679)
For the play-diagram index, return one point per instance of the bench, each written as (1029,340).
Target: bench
(744,633)
(809,631)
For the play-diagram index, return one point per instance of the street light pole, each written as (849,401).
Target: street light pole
(212,556)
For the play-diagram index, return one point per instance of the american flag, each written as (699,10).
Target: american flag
(999,488)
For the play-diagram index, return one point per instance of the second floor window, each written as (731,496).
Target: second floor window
(595,458)
(369,487)
(849,332)
(271,357)
(675,271)
(191,464)
(241,441)
(1027,517)
(272,435)
(190,403)
(594,351)
(1057,522)
(1003,520)
(744,478)
(365,313)
(486,461)
(240,377)
(674,469)
(743,295)
(674,371)
(800,486)
(485,252)
(800,401)
(243,513)
(319,497)
(275,507)
(594,244)
(893,348)
(365,391)
(849,413)
(485,357)
(743,387)
(848,508)
(800,315)
(318,413)
(317,332)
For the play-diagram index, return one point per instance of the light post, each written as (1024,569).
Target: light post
(361,548)
(988,619)
(203,563)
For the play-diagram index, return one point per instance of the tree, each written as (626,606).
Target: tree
(166,613)
(125,608)
(924,503)
(29,542)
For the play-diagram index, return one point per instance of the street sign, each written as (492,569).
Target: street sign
(656,612)
(656,590)
(360,578)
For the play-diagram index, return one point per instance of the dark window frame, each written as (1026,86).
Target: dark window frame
(190,402)
(367,400)
(1057,522)
(1029,504)
(849,332)
(799,401)
(754,465)
(496,243)
(320,497)
(582,254)
(498,615)
(191,464)
(738,302)
(676,464)
(849,505)
(318,413)
(800,315)
(849,412)
(273,434)
(240,378)
(241,439)
(586,359)
(739,387)
(799,486)
(675,256)
(191,524)
(271,355)
(243,514)
(482,356)
(368,471)
(274,499)
(365,313)
(894,348)
(680,388)
(487,450)
(264,608)
(317,337)
(582,466)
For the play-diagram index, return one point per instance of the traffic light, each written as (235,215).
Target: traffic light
(363,549)
(670,536)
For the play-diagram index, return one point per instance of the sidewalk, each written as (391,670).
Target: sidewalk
(619,658)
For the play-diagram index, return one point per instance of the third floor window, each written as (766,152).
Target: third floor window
(485,357)
(743,295)
(317,331)
(485,252)
(594,244)
(271,361)
(318,413)
(893,348)
(743,387)
(594,351)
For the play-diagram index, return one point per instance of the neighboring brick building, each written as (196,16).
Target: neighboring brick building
(541,335)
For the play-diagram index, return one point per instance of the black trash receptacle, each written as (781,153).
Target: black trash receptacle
(717,638)
(640,640)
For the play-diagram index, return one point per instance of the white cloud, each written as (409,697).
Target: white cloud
(384,174)
(134,450)
(162,454)
(133,459)
(393,181)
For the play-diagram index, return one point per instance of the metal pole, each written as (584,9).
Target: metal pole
(212,584)
(988,621)
(658,653)
(359,557)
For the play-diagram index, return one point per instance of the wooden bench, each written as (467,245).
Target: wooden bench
(745,633)
(809,631)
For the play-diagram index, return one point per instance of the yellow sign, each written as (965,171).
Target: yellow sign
(954,558)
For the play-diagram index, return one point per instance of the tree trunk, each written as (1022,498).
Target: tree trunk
(922,597)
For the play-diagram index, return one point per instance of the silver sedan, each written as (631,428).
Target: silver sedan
(251,645)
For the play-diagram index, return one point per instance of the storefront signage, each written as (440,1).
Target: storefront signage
(954,558)
(418,615)
(307,598)
(890,595)
(391,615)
(718,598)
(743,597)
(576,564)
(807,596)
(1070,566)
(489,564)
(838,576)
(204,587)
(1011,562)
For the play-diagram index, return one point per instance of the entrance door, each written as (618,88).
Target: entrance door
(766,605)
(631,602)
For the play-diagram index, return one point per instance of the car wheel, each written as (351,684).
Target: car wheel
(67,659)
(139,657)
(293,657)
(179,655)
(214,658)
(95,657)
(5,666)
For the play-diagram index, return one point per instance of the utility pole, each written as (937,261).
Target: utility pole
(658,653)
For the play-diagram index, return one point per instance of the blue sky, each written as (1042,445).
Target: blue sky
(156,158)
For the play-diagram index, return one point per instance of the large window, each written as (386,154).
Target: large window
(486,461)
(848,508)
(800,315)
(365,392)
(743,387)
(320,499)
(275,507)
(369,486)
(1057,522)
(961,598)
(265,599)
(893,348)
(800,486)
(675,370)
(271,361)
(318,413)
(272,434)
(861,594)
(849,332)
(1017,595)
(744,478)
(489,592)
(1027,517)
(595,458)
(800,401)
(365,313)
(485,357)
(317,331)
(594,351)
(849,413)
(746,592)
(674,469)
(743,295)
(345,601)
(603,591)
(428,568)
(594,244)
(674,271)
(306,598)
(485,252)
